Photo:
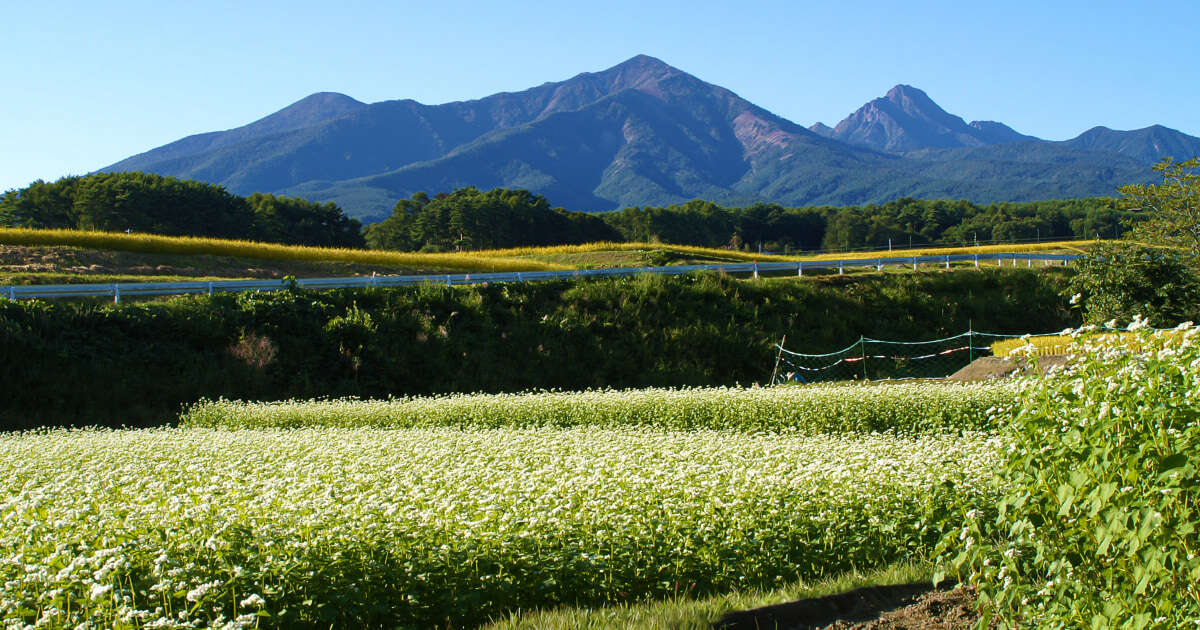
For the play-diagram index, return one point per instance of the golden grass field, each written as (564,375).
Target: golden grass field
(518,259)
(154,244)
(1077,247)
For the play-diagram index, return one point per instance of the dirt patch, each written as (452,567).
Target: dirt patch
(985,368)
(901,607)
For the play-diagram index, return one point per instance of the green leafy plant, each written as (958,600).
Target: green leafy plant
(1101,508)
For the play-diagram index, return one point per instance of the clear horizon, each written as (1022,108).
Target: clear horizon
(93,84)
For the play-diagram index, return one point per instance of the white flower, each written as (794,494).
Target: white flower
(1138,323)
(253,601)
(99,590)
(199,592)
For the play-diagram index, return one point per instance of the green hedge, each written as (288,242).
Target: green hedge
(67,363)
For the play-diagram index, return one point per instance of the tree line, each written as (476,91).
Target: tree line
(471,219)
(899,223)
(145,202)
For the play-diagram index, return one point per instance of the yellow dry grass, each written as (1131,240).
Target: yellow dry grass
(1044,345)
(703,252)
(712,252)
(188,245)
(1078,247)
(514,259)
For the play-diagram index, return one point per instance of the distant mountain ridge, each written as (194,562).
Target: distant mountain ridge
(646,133)
(906,119)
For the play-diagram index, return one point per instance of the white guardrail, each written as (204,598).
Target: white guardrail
(117,290)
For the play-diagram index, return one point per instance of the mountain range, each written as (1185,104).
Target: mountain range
(646,133)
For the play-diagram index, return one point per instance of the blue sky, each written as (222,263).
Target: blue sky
(87,84)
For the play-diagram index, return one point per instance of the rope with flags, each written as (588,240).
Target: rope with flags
(876,359)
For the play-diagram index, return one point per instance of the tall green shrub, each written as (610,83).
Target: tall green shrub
(1098,524)
(1120,280)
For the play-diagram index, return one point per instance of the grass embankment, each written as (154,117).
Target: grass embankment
(184,245)
(687,612)
(136,364)
(743,256)
(61,264)
(366,261)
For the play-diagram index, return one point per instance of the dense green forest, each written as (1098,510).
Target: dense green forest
(144,202)
(900,223)
(470,219)
(136,363)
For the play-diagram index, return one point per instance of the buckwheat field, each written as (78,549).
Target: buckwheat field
(267,516)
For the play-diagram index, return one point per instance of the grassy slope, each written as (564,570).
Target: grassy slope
(733,255)
(620,333)
(65,256)
(153,244)
(61,264)
(685,613)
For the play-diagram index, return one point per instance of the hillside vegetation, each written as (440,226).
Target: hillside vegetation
(135,364)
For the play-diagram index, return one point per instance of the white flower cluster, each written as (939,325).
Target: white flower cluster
(174,528)
(907,407)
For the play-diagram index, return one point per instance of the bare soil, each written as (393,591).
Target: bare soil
(901,607)
(985,368)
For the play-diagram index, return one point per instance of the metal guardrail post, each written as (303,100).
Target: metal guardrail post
(947,262)
(841,270)
(116,293)
(799,269)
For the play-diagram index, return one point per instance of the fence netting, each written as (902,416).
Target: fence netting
(876,359)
